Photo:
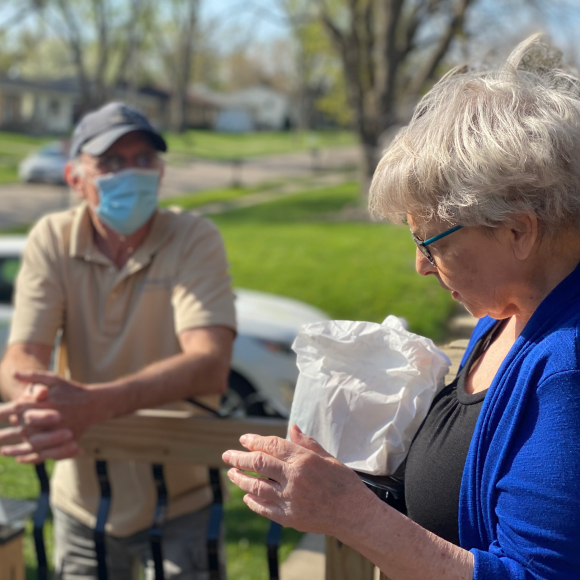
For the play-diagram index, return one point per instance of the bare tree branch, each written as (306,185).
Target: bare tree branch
(454,26)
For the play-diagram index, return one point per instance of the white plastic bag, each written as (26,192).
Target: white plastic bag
(364,389)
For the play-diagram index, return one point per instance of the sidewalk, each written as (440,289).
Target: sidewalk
(24,203)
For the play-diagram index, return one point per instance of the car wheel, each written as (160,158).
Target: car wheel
(242,400)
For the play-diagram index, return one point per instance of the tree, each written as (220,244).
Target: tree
(390,50)
(185,19)
(102,38)
(319,79)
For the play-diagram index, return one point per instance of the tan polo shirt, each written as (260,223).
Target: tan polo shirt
(115,322)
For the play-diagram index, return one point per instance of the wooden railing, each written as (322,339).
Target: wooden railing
(161,436)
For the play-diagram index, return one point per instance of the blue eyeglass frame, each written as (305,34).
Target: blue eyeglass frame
(423,245)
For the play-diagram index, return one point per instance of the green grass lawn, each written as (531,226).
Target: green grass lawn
(212,145)
(194,200)
(8,173)
(13,148)
(354,271)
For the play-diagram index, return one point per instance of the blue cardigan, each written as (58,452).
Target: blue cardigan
(519,507)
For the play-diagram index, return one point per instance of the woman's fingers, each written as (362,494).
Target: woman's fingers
(267,509)
(274,446)
(263,488)
(257,462)
(298,437)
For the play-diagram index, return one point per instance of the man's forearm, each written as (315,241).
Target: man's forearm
(21,357)
(176,378)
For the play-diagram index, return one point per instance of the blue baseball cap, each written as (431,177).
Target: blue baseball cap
(98,130)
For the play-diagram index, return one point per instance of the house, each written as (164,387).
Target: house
(261,106)
(51,106)
(37,106)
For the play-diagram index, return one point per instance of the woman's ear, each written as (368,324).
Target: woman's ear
(523,234)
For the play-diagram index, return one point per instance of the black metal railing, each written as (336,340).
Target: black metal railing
(214,531)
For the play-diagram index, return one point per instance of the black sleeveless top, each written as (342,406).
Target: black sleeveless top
(436,459)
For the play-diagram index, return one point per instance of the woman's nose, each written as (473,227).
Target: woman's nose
(422,264)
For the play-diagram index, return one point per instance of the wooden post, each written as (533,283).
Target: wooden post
(12,558)
(344,563)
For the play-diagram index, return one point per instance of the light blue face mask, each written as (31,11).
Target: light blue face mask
(127,199)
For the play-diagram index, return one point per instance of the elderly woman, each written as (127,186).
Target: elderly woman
(487,176)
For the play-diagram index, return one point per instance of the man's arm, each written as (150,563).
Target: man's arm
(21,356)
(201,369)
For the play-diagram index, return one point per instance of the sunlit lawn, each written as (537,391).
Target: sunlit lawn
(353,270)
(194,200)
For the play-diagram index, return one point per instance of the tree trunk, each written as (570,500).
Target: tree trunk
(184,74)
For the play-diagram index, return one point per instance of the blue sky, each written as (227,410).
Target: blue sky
(262,20)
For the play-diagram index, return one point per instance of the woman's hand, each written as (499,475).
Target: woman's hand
(306,489)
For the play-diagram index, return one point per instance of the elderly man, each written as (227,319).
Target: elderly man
(143,299)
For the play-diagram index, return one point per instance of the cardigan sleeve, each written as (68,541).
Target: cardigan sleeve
(538,499)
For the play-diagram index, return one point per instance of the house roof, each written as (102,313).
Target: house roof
(66,85)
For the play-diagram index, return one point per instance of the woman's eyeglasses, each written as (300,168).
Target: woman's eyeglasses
(422,245)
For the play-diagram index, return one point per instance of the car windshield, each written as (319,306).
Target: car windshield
(9,266)
(52,150)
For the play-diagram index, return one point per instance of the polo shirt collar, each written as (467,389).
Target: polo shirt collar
(83,246)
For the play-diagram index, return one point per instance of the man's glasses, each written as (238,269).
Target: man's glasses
(113,163)
(422,245)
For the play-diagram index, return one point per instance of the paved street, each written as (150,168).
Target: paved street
(24,203)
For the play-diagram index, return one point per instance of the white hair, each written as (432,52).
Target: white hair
(483,146)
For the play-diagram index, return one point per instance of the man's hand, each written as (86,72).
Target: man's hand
(48,421)
(48,418)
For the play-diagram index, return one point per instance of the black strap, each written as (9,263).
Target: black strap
(272,543)
(387,488)
(102,515)
(156,532)
(39,518)
(215,525)
(206,408)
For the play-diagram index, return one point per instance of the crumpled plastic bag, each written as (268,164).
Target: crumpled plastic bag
(364,389)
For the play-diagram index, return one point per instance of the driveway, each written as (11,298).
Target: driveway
(25,203)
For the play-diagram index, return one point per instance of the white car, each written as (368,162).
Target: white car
(263,371)
(45,165)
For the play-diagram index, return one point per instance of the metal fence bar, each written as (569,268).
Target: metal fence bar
(156,533)
(272,543)
(156,436)
(102,515)
(39,518)
(214,529)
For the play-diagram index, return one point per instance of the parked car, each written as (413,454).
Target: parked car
(263,371)
(45,165)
